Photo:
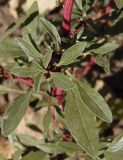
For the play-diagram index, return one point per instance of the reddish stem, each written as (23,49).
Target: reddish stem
(28,82)
(87,68)
(68,6)
(59,94)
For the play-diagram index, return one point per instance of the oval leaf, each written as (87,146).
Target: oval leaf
(70,55)
(29,49)
(4,90)
(62,81)
(51,29)
(116,145)
(47,121)
(81,124)
(47,58)
(50,148)
(37,82)
(114,155)
(25,20)
(27,140)
(14,26)
(37,155)
(1,119)
(106,48)
(25,71)
(17,155)
(119,3)
(46,147)
(33,17)
(95,102)
(15,113)
(10,49)
(69,147)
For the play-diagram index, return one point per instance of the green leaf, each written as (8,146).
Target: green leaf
(29,49)
(51,29)
(37,82)
(10,49)
(47,58)
(25,71)
(95,102)
(114,155)
(50,148)
(62,81)
(1,119)
(116,145)
(80,32)
(60,116)
(103,61)
(47,121)
(106,48)
(14,26)
(69,147)
(37,65)
(37,155)
(46,147)
(17,154)
(78,4)
(76,12)
(29,20)
(119,3)
(81,123)
(15,113)
(27,140)
(70,55)
(33,12)
(4,90)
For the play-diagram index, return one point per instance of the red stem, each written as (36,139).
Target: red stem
(28,82)
(87,68)
(68,6)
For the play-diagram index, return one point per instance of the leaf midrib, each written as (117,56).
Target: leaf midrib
(101,110)
(24,102)
(60,79)
(84,127)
